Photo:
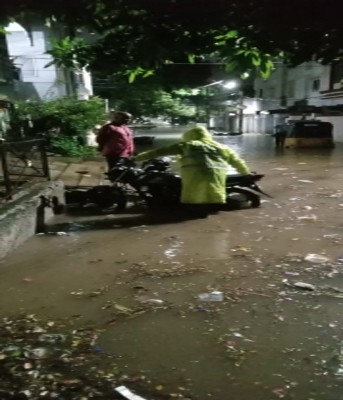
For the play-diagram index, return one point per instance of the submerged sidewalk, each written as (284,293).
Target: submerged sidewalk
(78,173)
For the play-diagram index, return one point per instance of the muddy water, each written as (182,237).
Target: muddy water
(266,340)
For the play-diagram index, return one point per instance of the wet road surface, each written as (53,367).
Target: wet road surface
(266,340)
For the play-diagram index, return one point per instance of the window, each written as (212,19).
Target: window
(336,74)
(29,68)
(291,89)
(315,85)
(271,93)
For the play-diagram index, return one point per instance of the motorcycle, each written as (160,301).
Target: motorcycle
(158,187)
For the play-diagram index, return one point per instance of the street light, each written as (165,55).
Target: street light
(229,85)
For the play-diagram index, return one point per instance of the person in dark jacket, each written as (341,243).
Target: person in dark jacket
(280,136)
(115,139)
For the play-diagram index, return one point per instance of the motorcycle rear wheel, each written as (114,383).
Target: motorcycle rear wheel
(237,199)
(108,197)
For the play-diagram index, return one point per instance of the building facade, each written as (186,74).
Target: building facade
(309,90)
(7,72)
(38,78)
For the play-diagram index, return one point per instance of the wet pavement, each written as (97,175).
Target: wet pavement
(138,278)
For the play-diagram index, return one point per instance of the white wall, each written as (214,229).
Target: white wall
(301,77)
(337,127)
(271,88)
(37,81)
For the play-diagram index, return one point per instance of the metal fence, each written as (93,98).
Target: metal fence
(22,163)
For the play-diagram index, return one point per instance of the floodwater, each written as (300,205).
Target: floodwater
(266,340)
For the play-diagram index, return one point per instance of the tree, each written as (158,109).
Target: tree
(143,98)
(139,37)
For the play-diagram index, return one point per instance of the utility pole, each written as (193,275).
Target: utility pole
(240,112)
(208,113)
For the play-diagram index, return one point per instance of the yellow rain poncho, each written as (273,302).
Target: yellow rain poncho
(204,164)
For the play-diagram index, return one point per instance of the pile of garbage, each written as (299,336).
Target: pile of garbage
(39,360)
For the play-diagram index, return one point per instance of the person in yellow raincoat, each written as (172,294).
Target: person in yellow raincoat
(204,165)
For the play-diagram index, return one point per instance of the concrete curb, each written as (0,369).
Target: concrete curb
(22,218)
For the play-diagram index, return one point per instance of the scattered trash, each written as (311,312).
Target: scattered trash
(27,280)
(212,296)
(125,392)
(177,269)
(152,301)
(52,338)
(316,258)
(339,371)
(279,392)
(37,354)
(53,234)
(303,285)
(63,368)
(123,309)
(307,208)
(310,217)
(78,293)
(95,293)
(333,236)
(97,349)
(241,248)
(331,291)
(305,181)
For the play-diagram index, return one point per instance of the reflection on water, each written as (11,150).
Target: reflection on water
(265,341)
(249,146)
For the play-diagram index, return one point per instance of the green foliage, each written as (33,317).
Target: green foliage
(133,34)
(142,98)
(70,53)
(66,116)
(133,73)
(240,54)
(70,147)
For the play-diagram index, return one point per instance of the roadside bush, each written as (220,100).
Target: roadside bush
(63,122)
(66,116)
(70,147)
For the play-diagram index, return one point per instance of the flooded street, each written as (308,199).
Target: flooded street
(138,278)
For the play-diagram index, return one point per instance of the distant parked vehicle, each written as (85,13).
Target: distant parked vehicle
(215,133)
(143,139)
(309,134)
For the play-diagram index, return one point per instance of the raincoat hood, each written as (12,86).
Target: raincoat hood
(198,133)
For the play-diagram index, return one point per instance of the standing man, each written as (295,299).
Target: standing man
(115,139)
(280,135)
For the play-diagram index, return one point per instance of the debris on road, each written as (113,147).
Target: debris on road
(339,371)
(311,218)
(125,392)
(305,286)
(305,181)
(152,301)
(63,369)
(52,234)
(316,258)
(212,296)
(95,293)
